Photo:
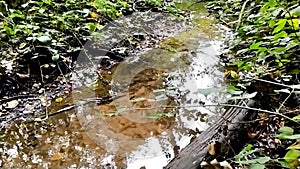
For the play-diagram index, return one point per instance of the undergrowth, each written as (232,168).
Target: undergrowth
(46,36)
(265,49)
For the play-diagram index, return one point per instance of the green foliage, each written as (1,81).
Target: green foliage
(290,160)
(44,23)
(288,133)
(154,2)
(53,31)
(256,163)
(111,9)
(268,34)
(266,43)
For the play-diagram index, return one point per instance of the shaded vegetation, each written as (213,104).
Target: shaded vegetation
(263,56)
(45,36)
(267,35)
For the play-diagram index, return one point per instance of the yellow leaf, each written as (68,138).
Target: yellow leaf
(293,164)
(94,15)
(99,27)
(234,74)
(295,23)
(295,146)
(57,156)
(59,99)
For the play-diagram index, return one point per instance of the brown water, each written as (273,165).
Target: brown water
(127,132)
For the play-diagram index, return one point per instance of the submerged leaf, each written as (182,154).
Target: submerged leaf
(209,91)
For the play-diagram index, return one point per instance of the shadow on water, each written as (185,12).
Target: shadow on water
(151,118)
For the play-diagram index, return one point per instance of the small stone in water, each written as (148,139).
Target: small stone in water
(12,104)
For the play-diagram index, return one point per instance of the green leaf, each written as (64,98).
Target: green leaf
(262,49)
(281,34)
(55,57)
(281,23)
(246,151)
(289,137)
(296,118)
(247,161)
(257,166)
(286,130)
(231,88)
(263,160)
(255,45)
(283,163)
(92,27)
(17,15)
(285,60)
(291,155)
(278,50)
(9,30)
(47,2)
(272,23)
(260,161)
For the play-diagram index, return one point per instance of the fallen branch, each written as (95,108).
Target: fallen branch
(198,150)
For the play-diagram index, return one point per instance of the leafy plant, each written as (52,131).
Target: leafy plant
(254,163)
(268,36)
(266,44)
(290,159)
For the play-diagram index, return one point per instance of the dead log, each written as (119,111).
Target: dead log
(225,131)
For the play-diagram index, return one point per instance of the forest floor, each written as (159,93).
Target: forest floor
(42,39)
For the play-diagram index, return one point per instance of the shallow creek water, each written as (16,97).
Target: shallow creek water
(151,117)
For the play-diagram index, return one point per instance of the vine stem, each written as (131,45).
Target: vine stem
(241,15)
(218,105)
(166,106)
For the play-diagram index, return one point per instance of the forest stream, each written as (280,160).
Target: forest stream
(148,111)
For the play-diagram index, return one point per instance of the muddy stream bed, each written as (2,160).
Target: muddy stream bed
(150,114)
